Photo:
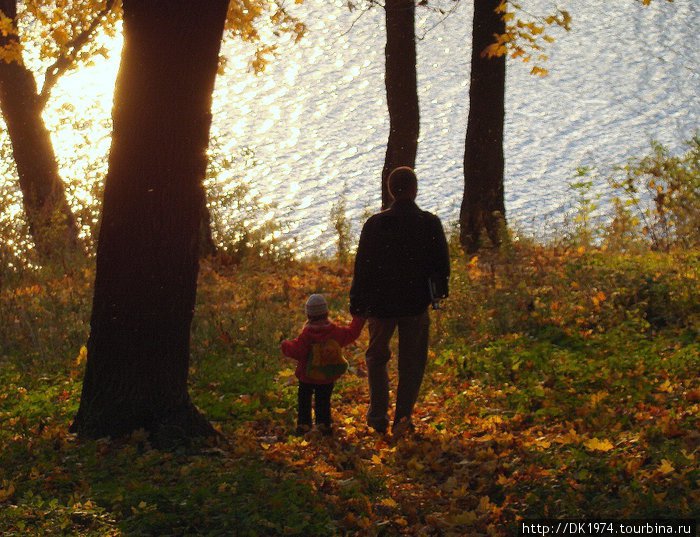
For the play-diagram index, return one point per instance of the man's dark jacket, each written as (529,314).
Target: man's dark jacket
(399,250)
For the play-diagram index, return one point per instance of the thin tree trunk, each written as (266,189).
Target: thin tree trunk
(147,254)
(483,206)
(50,219)
(401,89)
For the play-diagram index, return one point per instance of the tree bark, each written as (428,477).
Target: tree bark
(483,206)
(51,222)
(147,254)
(401,89)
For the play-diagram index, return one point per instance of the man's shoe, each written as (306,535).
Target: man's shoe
(402,428)
(301,430)
(379,425)
(326,430)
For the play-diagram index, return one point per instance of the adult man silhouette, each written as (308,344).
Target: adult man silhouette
(402,253)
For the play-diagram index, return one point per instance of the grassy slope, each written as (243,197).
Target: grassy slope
(561,383)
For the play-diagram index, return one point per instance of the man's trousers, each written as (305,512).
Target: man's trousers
(413,354)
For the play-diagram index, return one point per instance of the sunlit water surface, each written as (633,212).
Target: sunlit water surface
(317,120)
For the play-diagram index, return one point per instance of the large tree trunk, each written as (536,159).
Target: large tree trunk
(401,89)
(147,253)
(50,219)
(483,207)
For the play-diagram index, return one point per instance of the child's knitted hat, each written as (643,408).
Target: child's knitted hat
(316,305)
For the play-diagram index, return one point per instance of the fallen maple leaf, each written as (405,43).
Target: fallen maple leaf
(666,386)
(389,502)
(542,443)
(598,298)
(598,397)
(594,444)
(666,467)
(569,438)
(400,521)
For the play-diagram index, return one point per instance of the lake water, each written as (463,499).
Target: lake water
(318,124)
(317,121)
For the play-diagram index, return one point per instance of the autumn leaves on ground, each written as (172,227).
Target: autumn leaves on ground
(562,383)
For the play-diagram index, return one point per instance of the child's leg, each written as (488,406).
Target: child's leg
(304,404)
(323,404)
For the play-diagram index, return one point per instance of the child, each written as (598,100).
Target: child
(319,362)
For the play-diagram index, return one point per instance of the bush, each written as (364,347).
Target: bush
(343,229)
(659,197)
(242,224)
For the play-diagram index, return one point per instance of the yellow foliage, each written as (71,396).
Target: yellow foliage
(285,373)
(569,438)
(598,397)
(388,502)
(666,467)
(543,443)
(261,56)
(524,37)
(82,356)
(246,16)
(60,36)
(6,25)
(598,298)
(666,386)
(64,30)
(595,444)
(11,53)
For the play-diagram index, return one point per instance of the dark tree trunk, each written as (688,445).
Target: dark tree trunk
(401,89)
(50,219)
(483,207)
(147,253)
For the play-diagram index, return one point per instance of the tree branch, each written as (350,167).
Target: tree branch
(352,6)
(73,48)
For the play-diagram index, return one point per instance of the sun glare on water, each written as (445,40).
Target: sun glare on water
(78,115)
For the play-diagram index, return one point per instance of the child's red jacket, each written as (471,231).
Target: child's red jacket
(315,332)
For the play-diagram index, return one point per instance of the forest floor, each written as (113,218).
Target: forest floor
(561,383)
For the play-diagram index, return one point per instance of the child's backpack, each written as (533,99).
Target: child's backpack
(326,362)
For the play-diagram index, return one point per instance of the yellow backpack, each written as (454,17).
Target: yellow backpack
(325,362)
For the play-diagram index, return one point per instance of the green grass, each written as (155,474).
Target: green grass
(561,383)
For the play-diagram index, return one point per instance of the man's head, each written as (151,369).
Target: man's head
(403,184)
